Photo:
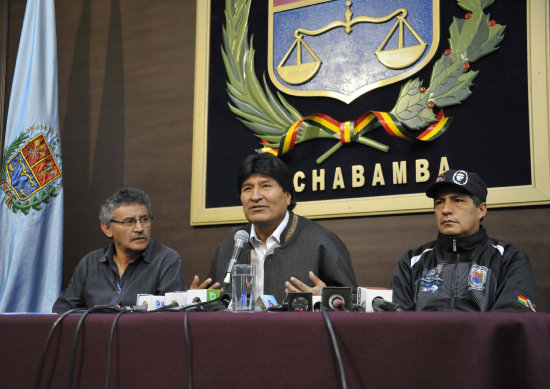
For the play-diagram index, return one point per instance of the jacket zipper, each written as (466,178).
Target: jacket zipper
(455,272)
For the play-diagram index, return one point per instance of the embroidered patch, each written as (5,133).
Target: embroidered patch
(431,279)
(526,302)
(32,168)
(30,173)
(478,277)
(460,177)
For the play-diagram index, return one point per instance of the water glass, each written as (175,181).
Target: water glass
(243,282)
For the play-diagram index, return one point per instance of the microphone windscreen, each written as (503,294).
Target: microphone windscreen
(241,236)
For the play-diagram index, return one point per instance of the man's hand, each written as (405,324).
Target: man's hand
(295,285)
(204,285)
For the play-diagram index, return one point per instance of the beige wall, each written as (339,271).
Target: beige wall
(126,108)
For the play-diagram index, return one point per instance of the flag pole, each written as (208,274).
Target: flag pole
(3,61)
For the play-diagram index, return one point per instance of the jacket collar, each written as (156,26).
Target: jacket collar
(287,233)
(290,227)
(462,243)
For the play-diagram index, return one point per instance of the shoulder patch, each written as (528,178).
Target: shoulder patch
(522,300)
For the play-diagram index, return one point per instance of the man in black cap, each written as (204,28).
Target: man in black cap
(463,269)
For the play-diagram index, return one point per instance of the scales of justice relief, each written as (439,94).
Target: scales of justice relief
(397,58)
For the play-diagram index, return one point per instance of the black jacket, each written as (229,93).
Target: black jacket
(474,273)
(305,246)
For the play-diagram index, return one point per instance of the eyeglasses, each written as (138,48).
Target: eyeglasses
(130,222)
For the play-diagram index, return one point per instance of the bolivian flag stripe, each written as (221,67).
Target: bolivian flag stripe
(436,129)
(350,131)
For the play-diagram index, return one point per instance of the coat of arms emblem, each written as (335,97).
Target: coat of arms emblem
(30,172)
(342,49)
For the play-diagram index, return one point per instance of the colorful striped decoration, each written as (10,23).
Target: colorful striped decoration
(349,131)
(526,302)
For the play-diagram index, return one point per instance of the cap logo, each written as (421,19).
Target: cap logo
(440,178)
(460,177)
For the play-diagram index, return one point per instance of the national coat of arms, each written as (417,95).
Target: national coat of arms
(31,169)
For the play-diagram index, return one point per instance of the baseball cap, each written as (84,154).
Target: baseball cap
(463,180)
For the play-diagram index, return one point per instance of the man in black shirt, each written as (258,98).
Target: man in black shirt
(133,263)
(464,269)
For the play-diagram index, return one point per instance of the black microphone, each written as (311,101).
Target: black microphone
(380,305)
(225,299)
(299,304)
(337,302)
(336,298)
(240,237)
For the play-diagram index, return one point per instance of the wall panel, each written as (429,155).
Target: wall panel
(126,106)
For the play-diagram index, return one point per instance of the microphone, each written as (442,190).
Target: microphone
(366,296)
(133,308)
(168,307)
(240,237)
(299,305)
(225,299)
(379,304)
(298,302)
(336,298)
(336,302)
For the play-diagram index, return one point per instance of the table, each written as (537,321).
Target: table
(282,350)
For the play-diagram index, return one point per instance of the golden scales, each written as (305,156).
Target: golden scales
(398,58)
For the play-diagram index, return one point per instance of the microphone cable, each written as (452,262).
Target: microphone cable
(122,310)
(111,335)
(188,348)
(111,308)
(48,341)
(336,349)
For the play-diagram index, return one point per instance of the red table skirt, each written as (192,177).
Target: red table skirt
(281,350)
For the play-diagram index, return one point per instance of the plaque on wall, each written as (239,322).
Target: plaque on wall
(368,101)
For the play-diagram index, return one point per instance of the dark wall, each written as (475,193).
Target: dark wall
(126,110)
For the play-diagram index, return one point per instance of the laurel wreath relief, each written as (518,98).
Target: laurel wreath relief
(280,126)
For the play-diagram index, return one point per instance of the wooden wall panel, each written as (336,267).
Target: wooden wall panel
(126,107)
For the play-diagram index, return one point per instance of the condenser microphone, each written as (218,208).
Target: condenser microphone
(240,237)
(379,304)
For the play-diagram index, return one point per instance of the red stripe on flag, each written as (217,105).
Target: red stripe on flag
(383,123)
(439,116)
(293,138)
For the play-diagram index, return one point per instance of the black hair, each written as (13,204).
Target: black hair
(268,165)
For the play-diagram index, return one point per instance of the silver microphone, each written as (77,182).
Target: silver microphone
(240,237)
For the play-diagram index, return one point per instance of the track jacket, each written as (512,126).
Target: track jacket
(473,273)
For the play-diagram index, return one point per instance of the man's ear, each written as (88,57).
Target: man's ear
(106,228)
(482,210)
